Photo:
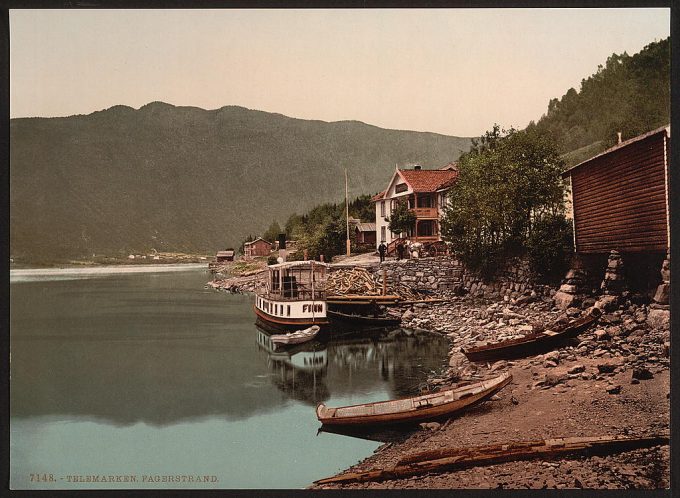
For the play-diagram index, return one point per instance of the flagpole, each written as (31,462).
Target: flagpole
(347,212)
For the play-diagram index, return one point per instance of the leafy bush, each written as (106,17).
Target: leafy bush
(509,181)
(550,247)
(402,219)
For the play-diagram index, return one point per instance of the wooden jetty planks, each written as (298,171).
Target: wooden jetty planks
(454,458)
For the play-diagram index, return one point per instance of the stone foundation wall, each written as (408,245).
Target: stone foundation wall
(445,274)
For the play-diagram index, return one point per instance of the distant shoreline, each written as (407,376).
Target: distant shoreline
(111,261)
(104,270)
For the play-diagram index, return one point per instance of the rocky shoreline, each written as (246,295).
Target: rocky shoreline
(614,379)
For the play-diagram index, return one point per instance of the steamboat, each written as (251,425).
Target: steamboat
(293,296)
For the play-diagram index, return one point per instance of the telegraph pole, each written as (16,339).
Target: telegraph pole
(347,211)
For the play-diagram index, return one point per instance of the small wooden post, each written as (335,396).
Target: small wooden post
(384,279)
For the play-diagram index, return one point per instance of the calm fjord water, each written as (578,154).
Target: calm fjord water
(151,375)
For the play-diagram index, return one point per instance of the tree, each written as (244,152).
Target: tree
(630,94)
(550,247)
(326,237)
(249,238)
(272,233)
(402,219)
(362,208)
(503,189)
(292,223)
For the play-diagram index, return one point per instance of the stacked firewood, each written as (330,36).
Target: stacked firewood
(359,281)
(355,281)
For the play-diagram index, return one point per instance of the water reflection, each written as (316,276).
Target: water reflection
(387,435)
(358,363)
(152,373)
(297,370)
(160,349)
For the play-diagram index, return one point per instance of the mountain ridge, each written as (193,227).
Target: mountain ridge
(183,178)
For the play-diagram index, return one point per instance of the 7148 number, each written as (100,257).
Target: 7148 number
(42,477)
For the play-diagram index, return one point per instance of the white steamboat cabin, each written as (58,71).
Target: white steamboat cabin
(293,295)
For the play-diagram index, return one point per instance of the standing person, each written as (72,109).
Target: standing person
(381,250)
(400,251)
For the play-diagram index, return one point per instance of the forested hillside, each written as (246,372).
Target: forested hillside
(630,94)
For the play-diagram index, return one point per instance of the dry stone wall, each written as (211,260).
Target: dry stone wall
(445,275)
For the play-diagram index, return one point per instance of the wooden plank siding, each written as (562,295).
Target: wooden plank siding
(619,198)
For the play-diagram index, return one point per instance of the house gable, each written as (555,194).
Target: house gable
(397,179)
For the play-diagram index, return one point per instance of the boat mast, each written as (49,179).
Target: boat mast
(312,267)
(347,212)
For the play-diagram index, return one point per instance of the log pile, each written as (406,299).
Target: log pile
(360,282)
(449,459)
(356,281)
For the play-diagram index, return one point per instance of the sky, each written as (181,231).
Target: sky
(449,71)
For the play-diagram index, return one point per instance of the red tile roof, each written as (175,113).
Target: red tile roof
(428,180)
(378,196)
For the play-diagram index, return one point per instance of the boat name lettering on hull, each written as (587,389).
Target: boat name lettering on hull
(307,308)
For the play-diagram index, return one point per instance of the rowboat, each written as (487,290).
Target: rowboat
(385,320)
(297,337)
(532,343)
(413,410)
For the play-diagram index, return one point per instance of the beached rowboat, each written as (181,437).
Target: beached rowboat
(297,337)
(532,343)
(412,410)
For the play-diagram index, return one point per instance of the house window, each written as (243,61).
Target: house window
(288,310)
(399,188)
(382,209)
(382,234)
(427,228)
(425,201)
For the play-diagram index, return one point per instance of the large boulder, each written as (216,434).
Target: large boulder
(564,300)
(607,302)
(659,318)
(662,293)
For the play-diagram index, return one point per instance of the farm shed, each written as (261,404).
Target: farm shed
(365,233)
(621,210)
(258,247)
(226,255)
(620,197)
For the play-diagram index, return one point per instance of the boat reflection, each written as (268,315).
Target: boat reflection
(299,369)
(379,435)
(354,364)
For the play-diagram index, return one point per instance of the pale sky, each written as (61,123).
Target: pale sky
(450,71)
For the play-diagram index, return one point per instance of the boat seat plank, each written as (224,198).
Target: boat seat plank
(397,405)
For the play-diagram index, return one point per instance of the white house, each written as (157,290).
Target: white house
(424,191)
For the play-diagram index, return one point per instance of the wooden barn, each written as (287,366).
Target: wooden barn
(620,197)
(365,233)
(258,247)
(226,255)
(620,203)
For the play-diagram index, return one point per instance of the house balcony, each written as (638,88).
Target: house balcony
(425,212)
